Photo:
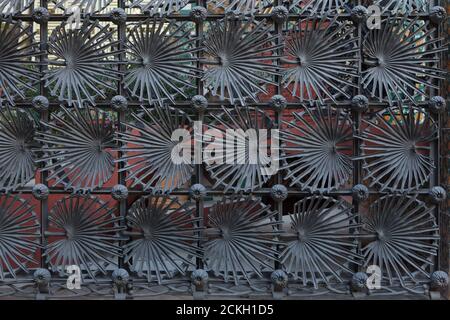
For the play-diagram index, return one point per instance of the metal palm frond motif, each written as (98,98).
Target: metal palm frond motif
(17,164)
(161,60)
(85,63)
(18,66)
(404,237)
(241,235)
(83,231)
(396,148)
(86,6)
(240,56)
(242,6)
(78,148)
(148,149)
(163,237)
(402,6)
(159,7)
(321,60)
(401,60)
(19,236)
(321,244)
(13,7)
(317,6)
(316,149)
(237,169)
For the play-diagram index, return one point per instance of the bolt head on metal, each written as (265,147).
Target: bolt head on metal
(438,14)
(438,194)
(119,103)
(360,192)
(198,14)
(279,14)
(197,191)
(119,192)
(359,14)
(360,103)
(40,191)
(40,103)
(279,192)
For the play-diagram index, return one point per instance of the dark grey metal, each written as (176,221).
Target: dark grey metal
(85,63)
(396,148)
(13,7)
(240,174)
(83,231)
(402,6)
(147,150)
(403,238)
(239,59)
(245,7)
(321,59)
(18,70)
(17,141)
(315,150)
(320,244)
(87,7)
(78,148)
(159,7)
(163,236)
(241,241)
(320,7)
(19,236)
(400,58)
(161,60)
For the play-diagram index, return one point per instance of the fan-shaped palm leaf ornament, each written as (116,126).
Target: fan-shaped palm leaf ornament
(85,63)
(17,144)
(317,7)
(404,235)
(83,231)
(400,60)
(159,7)
(241,235)
(396,148)
(402,6)
(87,7)
(239,59)
(19,236)
(161,61)
(247,166)
(163,237)
(316,149)
(78,148)
(321,242)
(18,66)
(148,149)
(244,7)
(13,7)
(321,59)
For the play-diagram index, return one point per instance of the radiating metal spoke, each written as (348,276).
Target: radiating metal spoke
(78,148)
(240,59)
(17,159)
(241,241)
(396,148)
(19,236)
(163,237)
(85,63)
(403,238)
(148,147)
(321,243)
(321,59)
(83,231)
(316,149)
